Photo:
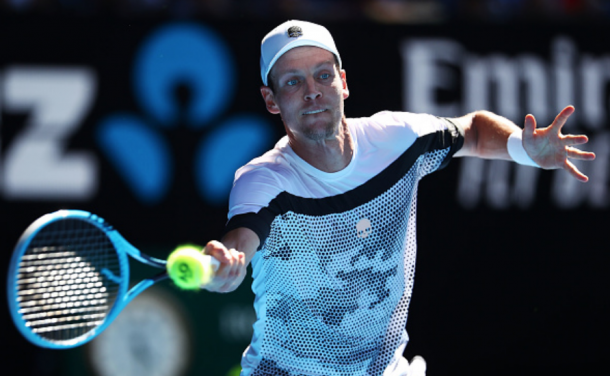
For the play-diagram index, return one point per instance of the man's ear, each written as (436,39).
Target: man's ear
(344,80)
(269,99)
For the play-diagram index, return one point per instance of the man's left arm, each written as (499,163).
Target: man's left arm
(490,136)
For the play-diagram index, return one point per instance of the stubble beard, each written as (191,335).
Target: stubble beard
(329,130)
(326,131)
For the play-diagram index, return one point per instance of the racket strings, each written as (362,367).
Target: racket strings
(67,280)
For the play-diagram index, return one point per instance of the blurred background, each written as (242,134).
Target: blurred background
(141,110)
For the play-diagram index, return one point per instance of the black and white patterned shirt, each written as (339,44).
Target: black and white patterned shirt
(334,275)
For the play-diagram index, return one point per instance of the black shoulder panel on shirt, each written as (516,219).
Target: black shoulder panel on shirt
(260,222)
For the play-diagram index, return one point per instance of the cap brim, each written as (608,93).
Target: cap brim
(301,42)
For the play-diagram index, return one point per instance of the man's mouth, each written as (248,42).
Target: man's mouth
(313,112)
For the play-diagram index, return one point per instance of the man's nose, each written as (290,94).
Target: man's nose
(311,89)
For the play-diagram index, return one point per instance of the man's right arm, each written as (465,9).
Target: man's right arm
(254,187)
(234,252)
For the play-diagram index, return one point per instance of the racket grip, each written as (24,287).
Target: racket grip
(208,262)
(214,263)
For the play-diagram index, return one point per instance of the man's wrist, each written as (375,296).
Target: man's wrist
(514,145)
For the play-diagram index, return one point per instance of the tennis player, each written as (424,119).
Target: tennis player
(327,218)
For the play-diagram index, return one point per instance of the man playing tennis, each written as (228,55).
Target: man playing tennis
(327,218)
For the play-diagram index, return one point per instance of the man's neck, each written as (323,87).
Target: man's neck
(329,155)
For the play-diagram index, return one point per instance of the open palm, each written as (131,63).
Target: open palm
(552,150)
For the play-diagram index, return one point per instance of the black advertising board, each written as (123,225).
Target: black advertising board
(144,122)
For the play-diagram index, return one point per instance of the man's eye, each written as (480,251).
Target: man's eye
(292,82)
(325,76)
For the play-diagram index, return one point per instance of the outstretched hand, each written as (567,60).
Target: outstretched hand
(552,150)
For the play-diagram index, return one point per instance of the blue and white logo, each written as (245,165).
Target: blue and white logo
(195,56)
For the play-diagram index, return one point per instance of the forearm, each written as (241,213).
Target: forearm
(244,240)
(485,135)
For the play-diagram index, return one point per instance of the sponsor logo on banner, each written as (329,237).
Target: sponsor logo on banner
(514,86)
(38,166)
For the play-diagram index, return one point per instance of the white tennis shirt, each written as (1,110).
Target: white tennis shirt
(334,275)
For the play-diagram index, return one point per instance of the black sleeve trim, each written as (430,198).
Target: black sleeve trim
(453,138)
(259,222)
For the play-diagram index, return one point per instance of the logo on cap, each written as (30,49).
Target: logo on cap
(295,32)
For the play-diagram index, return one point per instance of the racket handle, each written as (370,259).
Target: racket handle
(215,263)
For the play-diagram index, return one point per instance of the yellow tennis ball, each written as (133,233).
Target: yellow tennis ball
(189,268)
(234,371)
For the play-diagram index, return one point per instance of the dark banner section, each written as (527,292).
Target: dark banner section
(145,122)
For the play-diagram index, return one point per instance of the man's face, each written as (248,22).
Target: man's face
(309,93)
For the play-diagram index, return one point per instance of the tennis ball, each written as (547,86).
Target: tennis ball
(235,371)
(189,268)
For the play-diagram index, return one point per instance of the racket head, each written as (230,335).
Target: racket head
(67,278)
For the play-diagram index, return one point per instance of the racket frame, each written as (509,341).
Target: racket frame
(123,296)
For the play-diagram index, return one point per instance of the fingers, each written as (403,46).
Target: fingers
(574,171)
(230,261)
(557,125)
(574,139)
(575,153)
(232,266)
(557,148)
(579,154)
(561,118)
(530,125)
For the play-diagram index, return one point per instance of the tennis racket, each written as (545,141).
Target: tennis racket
(68,278)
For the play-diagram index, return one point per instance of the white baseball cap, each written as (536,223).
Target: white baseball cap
(293,34)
